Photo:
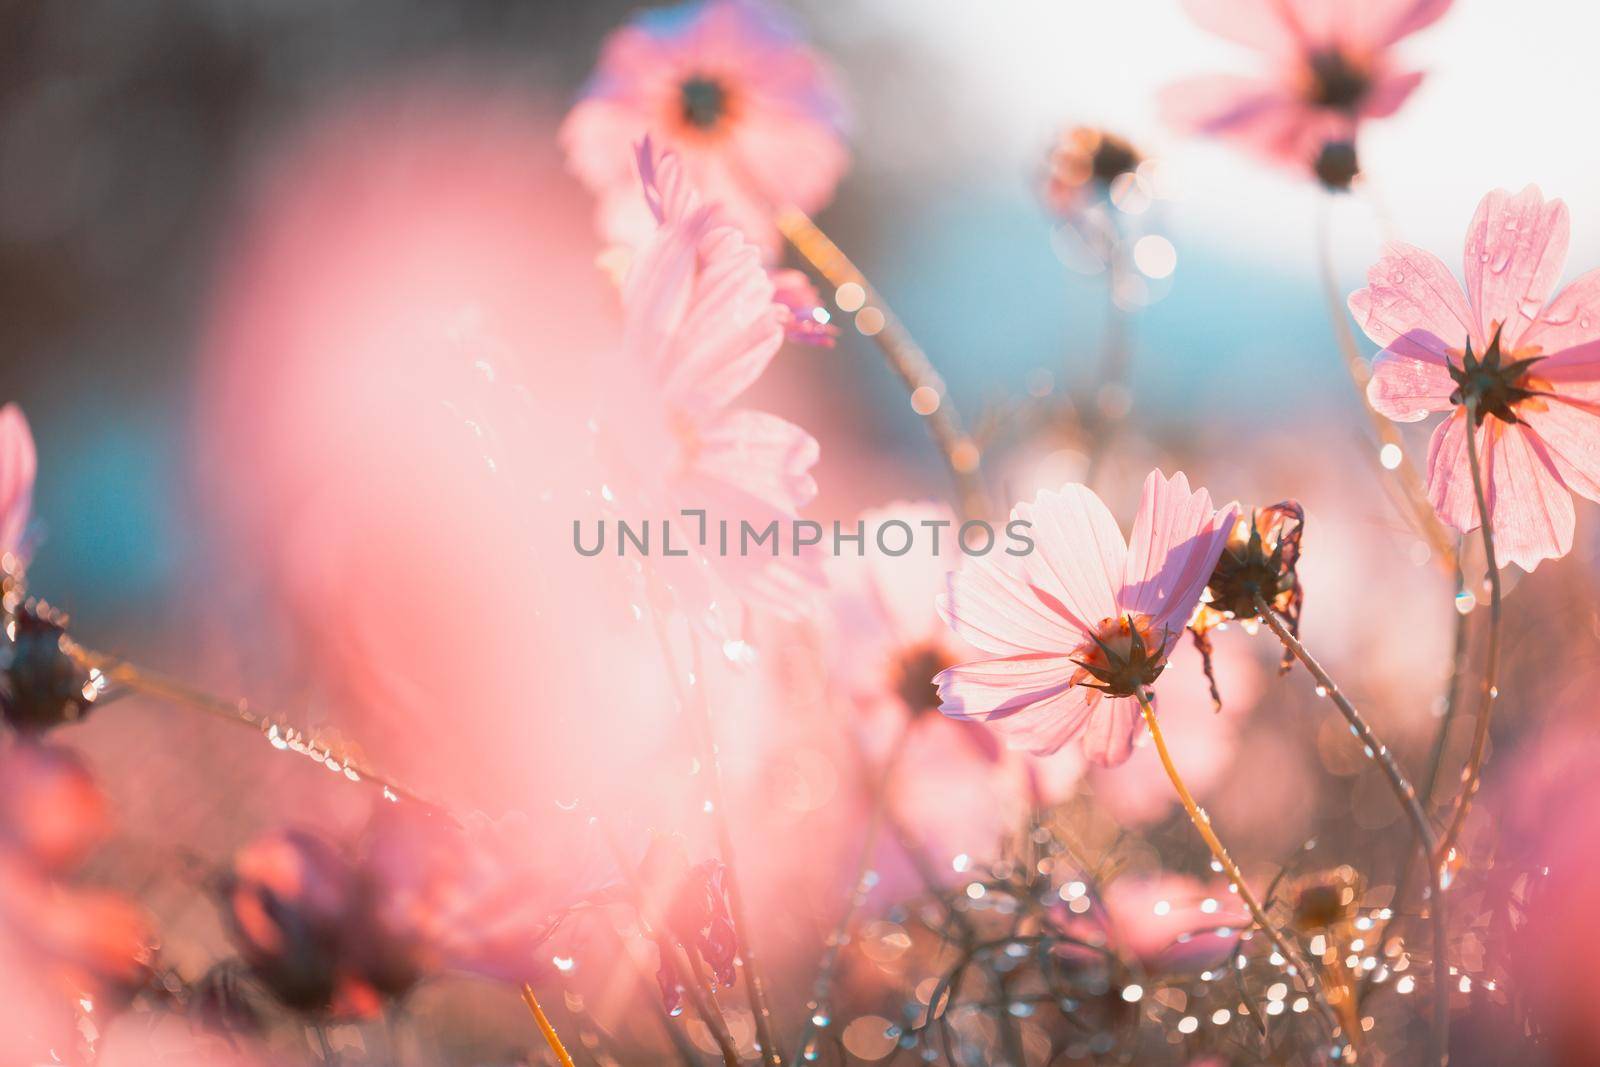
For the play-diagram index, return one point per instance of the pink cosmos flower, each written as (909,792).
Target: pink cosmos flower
(1330,70)
(701,320)
(1532,368)
(18,462)
(1080,624)
(730,87)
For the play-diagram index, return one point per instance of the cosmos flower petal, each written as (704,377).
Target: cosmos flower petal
(1408,388)
(1389,93)
(1044,728)
(1571,435)
(994,688)
(1265,118)
(1531,507)
(759,454)
(1515,252)
(1571,319)
(1177,537)
(1079,553)
(1265,25)
(1414,307)
(699,307)
(18,465)
(1000,612)
(1383,22)
(1111,732)
(1573,373)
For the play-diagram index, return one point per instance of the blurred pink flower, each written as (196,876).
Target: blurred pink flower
(288,902)
(331,930)
(728,85)
(1330,70)
(700,316)
(80,943)
(806,321)
(1165,923)
(51,810)
(1084,621)
(1532,367)
(18,463)
(954,789)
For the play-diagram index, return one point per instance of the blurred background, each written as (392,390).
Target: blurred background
(228,230)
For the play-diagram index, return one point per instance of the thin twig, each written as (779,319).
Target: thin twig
(1408,481)
(1471,777)
(1407,796)
(551,1038)
(274,728)
(905,357)
(1202,822)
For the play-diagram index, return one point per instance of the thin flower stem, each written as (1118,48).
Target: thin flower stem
(1430,782)
(551,1038)
(905,357)
(1202,823)
(1471,777)
(1103,426)
(238,711)
(1407,796)
(705,742)
(859,888)
(1452,699)
(1407,481)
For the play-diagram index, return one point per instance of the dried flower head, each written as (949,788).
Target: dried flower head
(42,684)
(1082,167)
(1336,165)
(1325,901)
(1261,558)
